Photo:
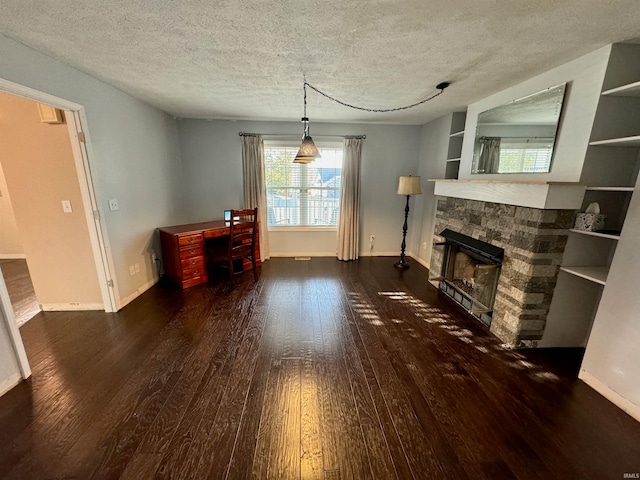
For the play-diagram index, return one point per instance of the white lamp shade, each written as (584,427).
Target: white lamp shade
(409,186)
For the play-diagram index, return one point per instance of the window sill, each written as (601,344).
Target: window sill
(300,228)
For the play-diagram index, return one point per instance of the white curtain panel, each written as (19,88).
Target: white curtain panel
(349,225)
(255,192)
(490,154)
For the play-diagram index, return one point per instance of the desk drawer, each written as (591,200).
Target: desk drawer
(192,251)
(221,232)
(190,240)
(193,271)
(194,281)
(192,262)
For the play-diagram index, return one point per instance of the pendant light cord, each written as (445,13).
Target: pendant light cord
(440,86)
(305,119)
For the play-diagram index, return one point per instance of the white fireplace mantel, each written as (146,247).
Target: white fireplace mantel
(534,194)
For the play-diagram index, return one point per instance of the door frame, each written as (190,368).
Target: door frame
(81,146)
(8,317)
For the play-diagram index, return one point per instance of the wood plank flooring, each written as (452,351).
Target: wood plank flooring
(20,288)
(322,370)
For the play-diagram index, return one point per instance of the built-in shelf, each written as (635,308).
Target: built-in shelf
(454,150)
(629,90)
(596,234)
(611,189)
(633,141)
(593,274)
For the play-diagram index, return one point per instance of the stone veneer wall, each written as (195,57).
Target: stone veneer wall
(533,241)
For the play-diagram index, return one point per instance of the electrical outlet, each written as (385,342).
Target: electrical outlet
(424,245)
(132,270)
(113,204)
(137,268)
(66,206)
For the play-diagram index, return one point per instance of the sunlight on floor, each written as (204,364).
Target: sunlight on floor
(446,323)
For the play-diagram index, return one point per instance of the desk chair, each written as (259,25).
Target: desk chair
(241,246)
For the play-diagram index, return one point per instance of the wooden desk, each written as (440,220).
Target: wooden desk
(184,252)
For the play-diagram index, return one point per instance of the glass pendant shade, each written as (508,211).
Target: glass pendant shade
(303,159)
(308,151)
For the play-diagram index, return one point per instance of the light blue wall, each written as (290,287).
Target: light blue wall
(434,145)
(134,156)
(211,154)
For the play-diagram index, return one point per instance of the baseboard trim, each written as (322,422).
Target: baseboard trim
(301,254)
(421,262)
(611,395)
(380,254)
(70,307)
(12,256)
(130,298)
(362,254)
(9,383)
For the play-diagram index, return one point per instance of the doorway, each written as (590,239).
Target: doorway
(87,229)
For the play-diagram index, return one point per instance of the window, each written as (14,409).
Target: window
(525,157)
(302,194)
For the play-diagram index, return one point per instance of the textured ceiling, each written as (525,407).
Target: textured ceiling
(246,59)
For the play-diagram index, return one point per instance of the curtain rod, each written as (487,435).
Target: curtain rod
(245,134)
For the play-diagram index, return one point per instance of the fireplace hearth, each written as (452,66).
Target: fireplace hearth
(470,272)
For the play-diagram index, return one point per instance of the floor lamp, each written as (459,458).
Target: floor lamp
(406,186)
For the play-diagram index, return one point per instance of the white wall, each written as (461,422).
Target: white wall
(134,157)
(10,244)
(212,159)
(585,76)
(612,359)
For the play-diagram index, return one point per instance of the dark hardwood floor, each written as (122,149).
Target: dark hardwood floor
(321,370)
(20,288)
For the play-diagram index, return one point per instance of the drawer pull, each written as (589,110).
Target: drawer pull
(191,240)
(193,262)
(192,251)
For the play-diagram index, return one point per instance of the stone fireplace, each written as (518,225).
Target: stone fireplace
(470,272)
(533,241)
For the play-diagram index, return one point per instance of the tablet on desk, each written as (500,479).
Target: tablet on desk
(227,216)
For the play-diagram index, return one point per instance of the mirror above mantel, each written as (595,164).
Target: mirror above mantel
(519,136)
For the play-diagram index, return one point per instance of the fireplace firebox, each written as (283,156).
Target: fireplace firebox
(470,272)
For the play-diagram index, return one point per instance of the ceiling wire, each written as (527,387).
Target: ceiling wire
(440,86)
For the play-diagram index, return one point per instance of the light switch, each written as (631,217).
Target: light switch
(66,206)
(113,204)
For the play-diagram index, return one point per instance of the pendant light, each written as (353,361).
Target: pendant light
(308,151)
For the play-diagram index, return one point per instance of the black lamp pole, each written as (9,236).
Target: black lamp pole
(402,264)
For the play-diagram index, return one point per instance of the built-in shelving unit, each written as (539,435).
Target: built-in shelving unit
(596,234)
(628,90)
(633,141)
(454,152)
(593,274)
(610,189)
(610,172)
